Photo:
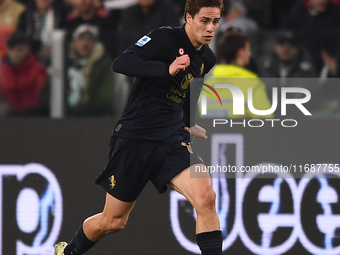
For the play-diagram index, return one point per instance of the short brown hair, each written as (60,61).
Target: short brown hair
(194,6)
(230,43)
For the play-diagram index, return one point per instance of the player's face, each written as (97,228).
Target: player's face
(202,27)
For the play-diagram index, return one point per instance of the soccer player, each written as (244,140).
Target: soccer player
(151,140)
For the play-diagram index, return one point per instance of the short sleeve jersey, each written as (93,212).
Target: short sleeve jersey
(155,106)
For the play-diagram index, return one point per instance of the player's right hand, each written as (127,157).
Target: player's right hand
(180,63)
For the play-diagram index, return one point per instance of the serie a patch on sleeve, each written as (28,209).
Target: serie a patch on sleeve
(142,41)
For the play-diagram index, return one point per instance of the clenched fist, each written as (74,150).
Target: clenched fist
(180,63)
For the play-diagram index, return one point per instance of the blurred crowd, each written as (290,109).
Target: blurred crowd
(257,39)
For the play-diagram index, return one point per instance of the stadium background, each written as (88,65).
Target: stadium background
(48,166)
(76,150)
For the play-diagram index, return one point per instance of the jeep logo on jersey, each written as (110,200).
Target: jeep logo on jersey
(31,193)
(187,81)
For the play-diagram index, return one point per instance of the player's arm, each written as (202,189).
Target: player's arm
(144,59)
(131,64)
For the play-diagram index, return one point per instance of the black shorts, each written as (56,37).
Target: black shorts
(133,163)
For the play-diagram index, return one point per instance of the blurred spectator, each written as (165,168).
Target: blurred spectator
(330,89)
(236,18)
(90,76)
(92,12)
(38,21)
(288,60)
(259,10)
(331,67)
(21,79)
(290,63)
(10,11)
(179,6)
(236,53)
(279,9)
(251,66)
(318,24)
(313,14)
(143,17)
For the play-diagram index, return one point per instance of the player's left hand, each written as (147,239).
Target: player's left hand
(197,132)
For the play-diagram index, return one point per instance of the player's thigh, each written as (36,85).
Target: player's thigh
(116,209)
(198,191)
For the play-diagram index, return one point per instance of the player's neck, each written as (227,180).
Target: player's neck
(191,37)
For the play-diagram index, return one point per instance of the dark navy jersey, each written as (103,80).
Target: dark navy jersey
(159,104)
